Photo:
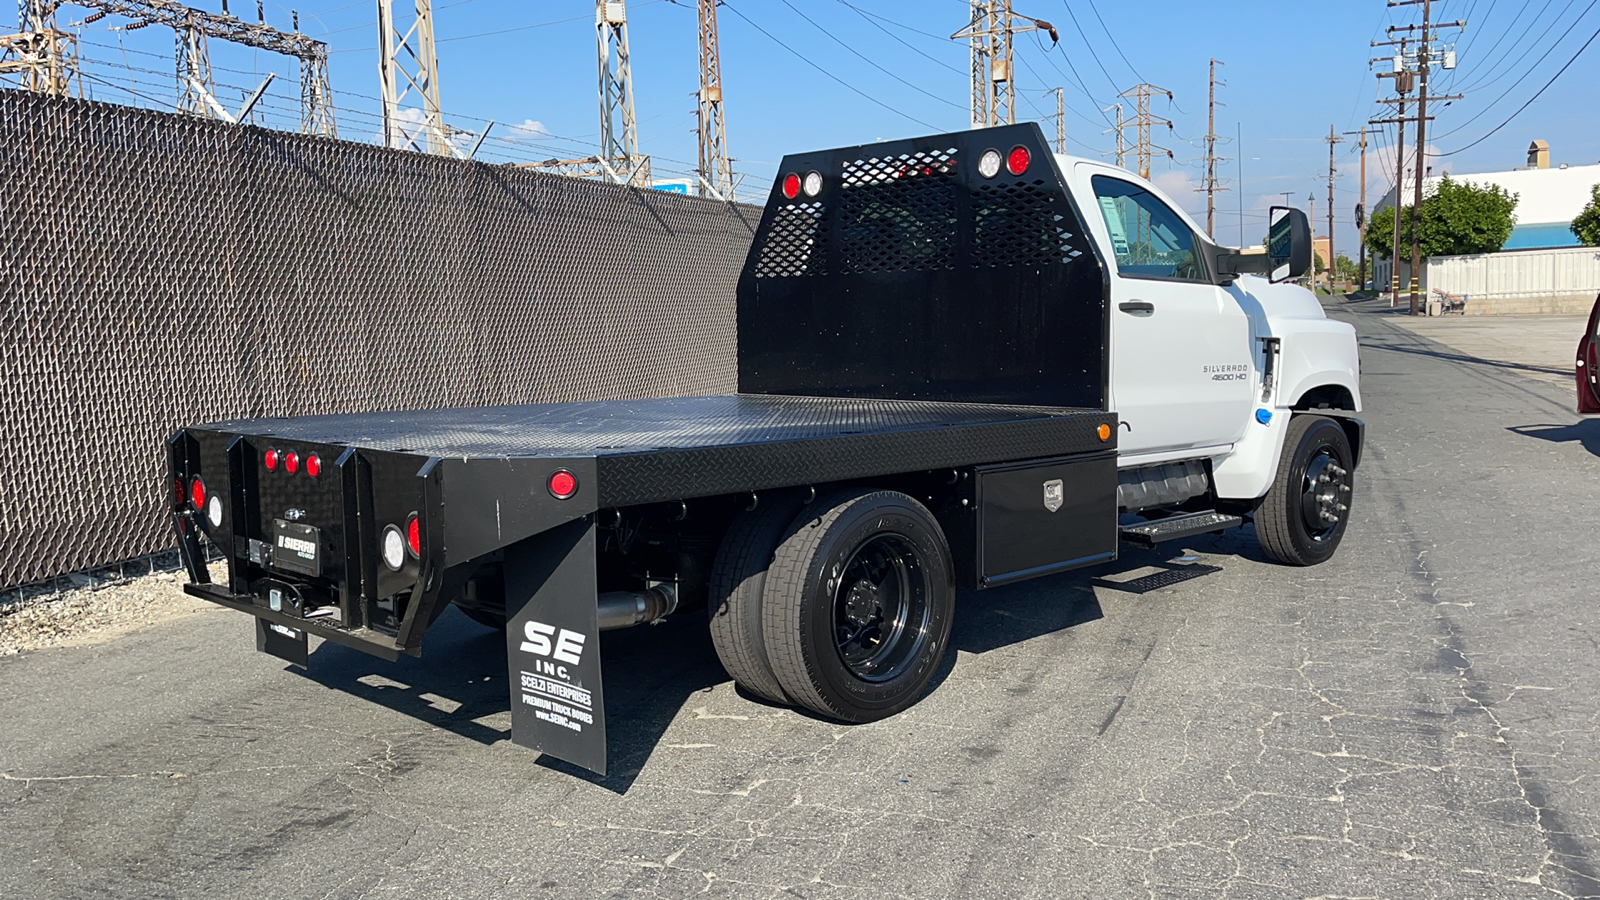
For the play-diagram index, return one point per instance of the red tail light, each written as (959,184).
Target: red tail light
(414,536)
(563,484)
(313,465)
(197,494)
(270,460)
(291,462)
(1017,162)
(791,185)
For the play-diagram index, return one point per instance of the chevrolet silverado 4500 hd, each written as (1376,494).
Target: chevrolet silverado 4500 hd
(963,361)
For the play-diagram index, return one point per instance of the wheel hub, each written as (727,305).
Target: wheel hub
(879,606)
(863,603)
(1324,494)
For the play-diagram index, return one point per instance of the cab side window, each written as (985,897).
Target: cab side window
(1148,238)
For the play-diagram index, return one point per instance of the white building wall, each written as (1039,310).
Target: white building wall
(1519,280)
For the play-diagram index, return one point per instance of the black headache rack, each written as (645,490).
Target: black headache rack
(910,317)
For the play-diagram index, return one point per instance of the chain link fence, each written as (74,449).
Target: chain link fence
(162,270)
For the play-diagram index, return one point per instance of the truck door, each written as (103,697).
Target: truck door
(1588,361)
(1180,346)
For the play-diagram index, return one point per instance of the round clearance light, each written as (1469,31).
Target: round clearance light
(989,163)
(813,184)
(270,460)
(291,462)
(1104,431)
(791,185)
(197,494)
(1017,162)
(414,536)
(394,548)
(563,485)
(214,511)
(313,465)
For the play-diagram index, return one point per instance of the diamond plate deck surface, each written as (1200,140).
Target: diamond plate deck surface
(664,449)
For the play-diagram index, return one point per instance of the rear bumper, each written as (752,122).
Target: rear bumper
(366,640)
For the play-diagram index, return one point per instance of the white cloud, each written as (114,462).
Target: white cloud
(529,129)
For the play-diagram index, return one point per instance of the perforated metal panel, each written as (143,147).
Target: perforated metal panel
(163,270)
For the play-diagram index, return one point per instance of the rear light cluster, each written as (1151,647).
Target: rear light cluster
(203,501)
(399,543)
(793,184)
(290,462)
(1017,162)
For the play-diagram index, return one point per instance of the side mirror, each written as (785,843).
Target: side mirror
(1288,244)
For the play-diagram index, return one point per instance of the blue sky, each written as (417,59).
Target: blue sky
(884,69)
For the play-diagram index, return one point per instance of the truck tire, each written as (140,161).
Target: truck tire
(858,604)
(737,579)
(1303,517)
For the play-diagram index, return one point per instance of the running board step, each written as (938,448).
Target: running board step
(1149,534)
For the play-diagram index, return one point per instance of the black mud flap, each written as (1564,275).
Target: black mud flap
(287,644)
(553,645)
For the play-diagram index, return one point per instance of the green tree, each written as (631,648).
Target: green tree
(1587,225)
(1344,268)
(1318,266)
(1457,218)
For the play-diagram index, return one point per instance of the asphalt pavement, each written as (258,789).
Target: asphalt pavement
(1416,718)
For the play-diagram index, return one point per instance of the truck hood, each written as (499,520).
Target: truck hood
(1278,302)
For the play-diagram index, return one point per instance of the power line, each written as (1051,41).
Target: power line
(1074,17)
(859,55)
(803,58)
(1118,47)
(1525,105)
(869,17)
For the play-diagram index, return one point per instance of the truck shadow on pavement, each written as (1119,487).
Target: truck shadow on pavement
(652,674)
(1585,432)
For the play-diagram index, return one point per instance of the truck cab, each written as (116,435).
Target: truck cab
(1209,364)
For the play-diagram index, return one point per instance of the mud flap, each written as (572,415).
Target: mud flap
(553,645)
(287,644)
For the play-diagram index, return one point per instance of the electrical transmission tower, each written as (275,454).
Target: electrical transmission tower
(619,161)
(1122,138)
(408,70)
(990,33)
(193,27)
(616,95)
(1212,183)
(1143,119)
(1061,120)
(44,56)
(716,169)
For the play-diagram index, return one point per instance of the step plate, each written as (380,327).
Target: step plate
(1149,534)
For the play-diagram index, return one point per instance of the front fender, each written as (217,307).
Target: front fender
(1318,353)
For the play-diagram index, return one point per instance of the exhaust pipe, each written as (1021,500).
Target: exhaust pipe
(625,609)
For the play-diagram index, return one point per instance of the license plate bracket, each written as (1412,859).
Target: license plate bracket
(296,547)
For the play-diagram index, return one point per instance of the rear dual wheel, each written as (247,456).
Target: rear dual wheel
(855,606)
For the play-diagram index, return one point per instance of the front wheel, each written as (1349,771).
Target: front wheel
(1303,517)
(857,605)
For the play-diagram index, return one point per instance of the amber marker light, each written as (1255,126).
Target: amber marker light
(1105,432)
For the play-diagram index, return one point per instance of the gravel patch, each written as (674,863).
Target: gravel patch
(94,610)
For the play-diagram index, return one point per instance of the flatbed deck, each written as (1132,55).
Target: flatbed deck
(668,448)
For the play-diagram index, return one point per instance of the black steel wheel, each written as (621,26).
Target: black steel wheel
(737,579)
(858,604)
(1304,515)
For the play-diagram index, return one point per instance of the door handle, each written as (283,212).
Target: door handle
(1137,307)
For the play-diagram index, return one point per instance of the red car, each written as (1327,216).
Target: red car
(1588,369)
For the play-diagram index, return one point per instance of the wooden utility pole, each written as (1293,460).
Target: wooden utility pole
(1424,51)
(1212,185)
(1361,212)
(1333,257)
